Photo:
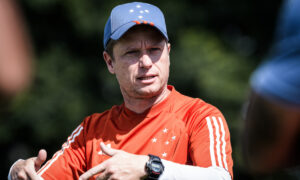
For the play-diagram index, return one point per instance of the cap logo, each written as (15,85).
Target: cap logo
(139,14)
(140,11)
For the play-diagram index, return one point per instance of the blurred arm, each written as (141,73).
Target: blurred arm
(15,51)
(270,135)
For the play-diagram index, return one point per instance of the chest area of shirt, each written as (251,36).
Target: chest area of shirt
(165,137)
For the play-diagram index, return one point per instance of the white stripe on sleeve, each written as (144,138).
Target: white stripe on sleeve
(224,143)
(218,141)
(211,139)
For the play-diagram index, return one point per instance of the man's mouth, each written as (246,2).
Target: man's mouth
(145,77)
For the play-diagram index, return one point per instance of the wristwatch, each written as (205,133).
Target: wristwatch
(154,167)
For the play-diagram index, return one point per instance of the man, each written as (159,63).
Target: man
(272,127)
(157,132)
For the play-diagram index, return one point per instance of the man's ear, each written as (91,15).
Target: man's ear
(109,62)
(169,47)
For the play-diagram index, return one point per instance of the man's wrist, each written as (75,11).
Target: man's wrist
(154,167)
(145,160)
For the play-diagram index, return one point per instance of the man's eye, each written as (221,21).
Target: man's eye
(132,52)
(154,49)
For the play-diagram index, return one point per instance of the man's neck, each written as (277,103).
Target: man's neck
(140,105)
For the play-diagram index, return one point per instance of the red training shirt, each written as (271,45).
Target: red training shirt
(181,129)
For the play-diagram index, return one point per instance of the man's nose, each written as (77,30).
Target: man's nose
(145,61)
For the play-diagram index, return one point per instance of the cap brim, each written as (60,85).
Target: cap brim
(123,29)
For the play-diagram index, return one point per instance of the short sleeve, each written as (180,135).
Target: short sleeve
(210,140)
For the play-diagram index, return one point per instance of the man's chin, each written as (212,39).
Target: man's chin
(148,92)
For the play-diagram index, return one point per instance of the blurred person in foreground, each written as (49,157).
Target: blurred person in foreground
(157,133)
(272,127)
(15,52)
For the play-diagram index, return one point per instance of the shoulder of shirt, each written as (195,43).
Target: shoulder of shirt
(193,104)
(96,117)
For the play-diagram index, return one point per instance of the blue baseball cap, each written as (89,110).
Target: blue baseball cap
(278,78)
(125,16)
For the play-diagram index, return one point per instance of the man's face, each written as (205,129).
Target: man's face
(141,62)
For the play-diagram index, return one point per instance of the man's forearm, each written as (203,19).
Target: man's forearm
(175,171)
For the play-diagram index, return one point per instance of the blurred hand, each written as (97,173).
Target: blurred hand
(121,165)
(27,169)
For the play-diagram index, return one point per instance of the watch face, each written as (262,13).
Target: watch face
(156,167)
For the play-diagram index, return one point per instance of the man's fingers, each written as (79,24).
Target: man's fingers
(107,150)
(95,170)
(19,175)
(30,169)
(27,169)
(32,175)
(40,159)
(101,167)
(103,176)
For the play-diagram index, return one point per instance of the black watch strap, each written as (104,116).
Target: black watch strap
(154,167)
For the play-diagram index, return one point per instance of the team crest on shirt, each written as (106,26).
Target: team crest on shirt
(164,138)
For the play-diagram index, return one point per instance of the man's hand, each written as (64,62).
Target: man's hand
(121,165)
(27,169)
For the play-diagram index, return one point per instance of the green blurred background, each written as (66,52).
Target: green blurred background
(216,44)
